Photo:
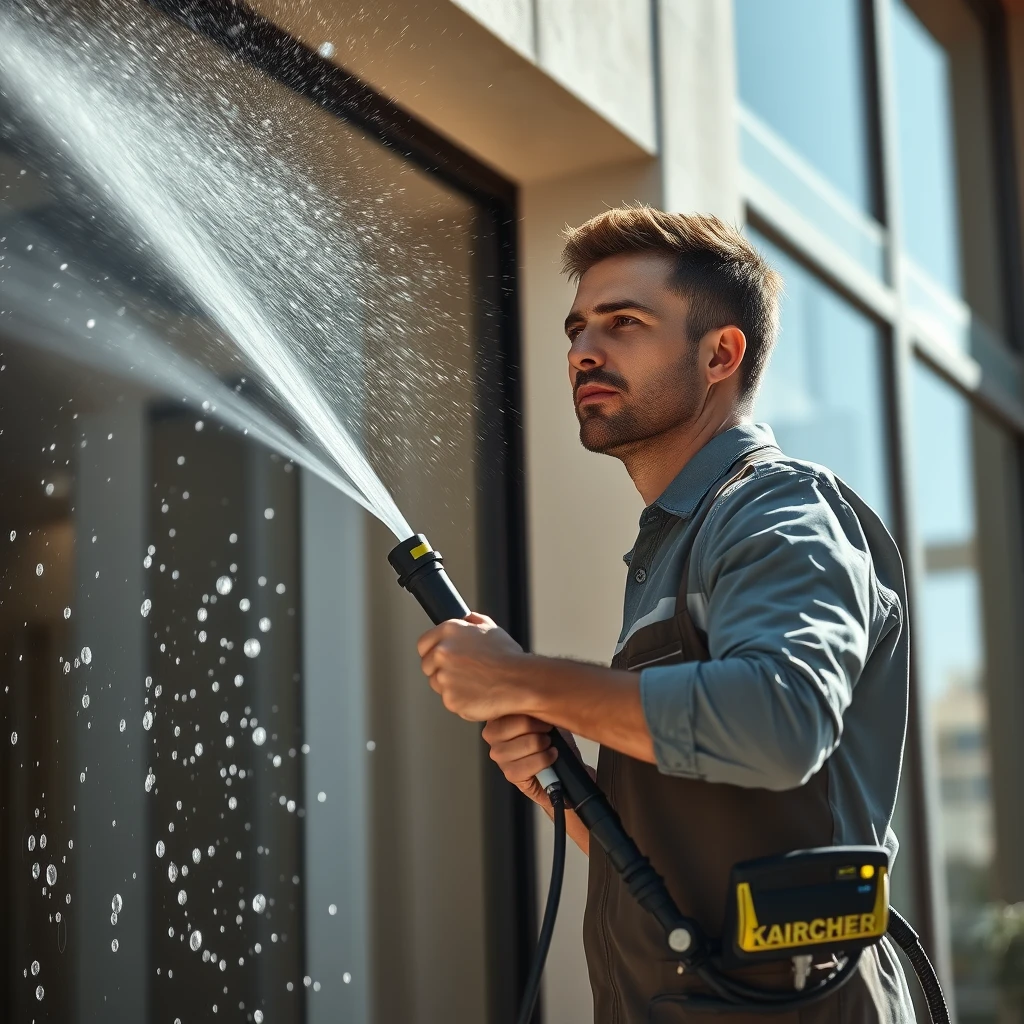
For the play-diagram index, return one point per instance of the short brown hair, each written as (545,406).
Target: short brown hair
(724,278)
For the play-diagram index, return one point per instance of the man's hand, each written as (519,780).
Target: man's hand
(520,747)
(475,666)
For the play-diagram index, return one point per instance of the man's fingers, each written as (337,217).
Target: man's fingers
(520,746)
(499,730)
(525,768)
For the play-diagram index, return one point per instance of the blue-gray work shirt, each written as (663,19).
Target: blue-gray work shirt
(799,590)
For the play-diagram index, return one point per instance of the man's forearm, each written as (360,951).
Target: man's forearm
(601,704)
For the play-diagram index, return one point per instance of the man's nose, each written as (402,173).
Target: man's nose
(585,353)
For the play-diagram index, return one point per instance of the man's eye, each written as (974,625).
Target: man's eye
(625,321)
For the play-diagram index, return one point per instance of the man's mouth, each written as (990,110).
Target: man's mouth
(590,394)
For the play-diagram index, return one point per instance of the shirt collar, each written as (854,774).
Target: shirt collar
(699,475)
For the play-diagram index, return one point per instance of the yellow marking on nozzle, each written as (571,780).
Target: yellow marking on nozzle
(867,871)
(420,550)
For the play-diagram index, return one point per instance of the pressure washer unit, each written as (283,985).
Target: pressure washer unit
(803,906)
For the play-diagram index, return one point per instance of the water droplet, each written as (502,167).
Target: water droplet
(67,613)
(279,588)
(199,424)
(201,614)
(232,803)
(268,513)
(113,918)
(371,746)
(14,533)
(35,968)
(182,898)
(172,872)
(42,842)
(321,796)
(31,843)
(196,855)
(326,50)
(244,604)
(35,870)
(121,725)
(39,569)
(147,721)
(160,848)
(224,585)
(39,992)
(233,538)
(259,736)
(86,655)
(259,903)
(116,904)
(147,607)
(14,738)
(195,940)
(332,909)
(90,324)
(150,782)
(239,679)
(199,750)
(251,647)
(277,760)
(51,875)
(113,945)
(264,625)
(229,741)
(346,977)
(85,700)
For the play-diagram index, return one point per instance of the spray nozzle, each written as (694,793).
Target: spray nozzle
(421,571)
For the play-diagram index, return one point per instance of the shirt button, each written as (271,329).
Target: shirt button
(640,575)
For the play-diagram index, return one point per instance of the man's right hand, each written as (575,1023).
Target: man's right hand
(520,747)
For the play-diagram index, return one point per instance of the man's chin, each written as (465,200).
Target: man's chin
(599,436)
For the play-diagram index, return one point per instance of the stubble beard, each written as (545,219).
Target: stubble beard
(673,401)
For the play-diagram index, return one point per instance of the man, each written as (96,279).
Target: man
(757,700)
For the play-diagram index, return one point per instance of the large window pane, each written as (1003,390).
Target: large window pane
(823,390)
(807,125)
(968,663)
(209,674)
(947,184)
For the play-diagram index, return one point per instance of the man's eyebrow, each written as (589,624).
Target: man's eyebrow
(615,306)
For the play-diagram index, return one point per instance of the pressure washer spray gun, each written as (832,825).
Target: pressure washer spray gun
(829,903)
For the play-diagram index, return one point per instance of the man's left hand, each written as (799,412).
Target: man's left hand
(475,666)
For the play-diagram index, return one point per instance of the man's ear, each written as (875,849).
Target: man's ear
(725,347)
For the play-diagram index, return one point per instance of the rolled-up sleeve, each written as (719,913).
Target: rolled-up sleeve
(788,582)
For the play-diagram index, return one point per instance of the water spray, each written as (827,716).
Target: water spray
(837,883)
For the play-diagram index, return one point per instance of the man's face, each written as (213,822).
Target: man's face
(633,370)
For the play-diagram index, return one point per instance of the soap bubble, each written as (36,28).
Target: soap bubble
(259,736)
(86,655)
(116,904)
(259,903)
(195,940)
(224,585)
(251,647)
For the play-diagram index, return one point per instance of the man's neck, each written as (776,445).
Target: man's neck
(655,464)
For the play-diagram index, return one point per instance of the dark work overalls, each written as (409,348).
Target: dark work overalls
(693,832)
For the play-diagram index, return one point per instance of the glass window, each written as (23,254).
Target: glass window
(967,656)
(807,123)
(823,391)
(209,675)
(947,183)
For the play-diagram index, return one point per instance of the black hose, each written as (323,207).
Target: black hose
(910,942)
(547,927)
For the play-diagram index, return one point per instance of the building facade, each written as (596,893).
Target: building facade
(233,238)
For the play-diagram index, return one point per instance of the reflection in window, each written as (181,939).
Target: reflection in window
(947,183)
(966,653)
(802,71)
(201,643)
(823,390)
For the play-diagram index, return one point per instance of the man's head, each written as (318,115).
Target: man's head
(672,312)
